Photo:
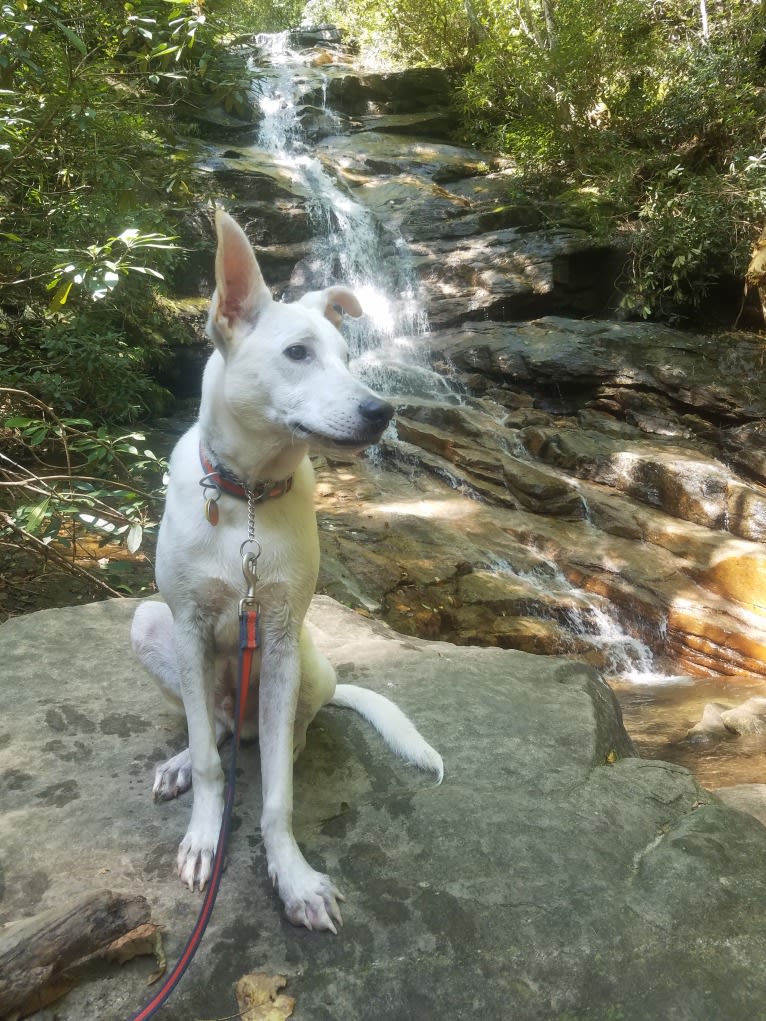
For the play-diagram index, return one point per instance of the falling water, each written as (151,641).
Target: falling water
(588,617)
(350,245)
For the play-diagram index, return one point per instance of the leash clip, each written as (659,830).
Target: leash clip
(249,601)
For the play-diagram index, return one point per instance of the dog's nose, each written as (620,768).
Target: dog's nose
(377,412)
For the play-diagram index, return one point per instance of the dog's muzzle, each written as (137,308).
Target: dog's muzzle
(374,415)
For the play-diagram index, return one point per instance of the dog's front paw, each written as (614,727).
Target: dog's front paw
(310,899)
(195,856)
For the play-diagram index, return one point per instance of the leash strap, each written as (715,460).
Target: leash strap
(249,640)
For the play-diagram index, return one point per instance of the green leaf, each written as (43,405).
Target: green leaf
(37,515)
(73,38)
(145,270)
(36,435)
(60,297)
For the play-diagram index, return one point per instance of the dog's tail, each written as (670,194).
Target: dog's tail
(399,733)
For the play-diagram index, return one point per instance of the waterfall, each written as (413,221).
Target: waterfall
(589,617)
(350,245)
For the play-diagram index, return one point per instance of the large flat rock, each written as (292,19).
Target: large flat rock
(550,876)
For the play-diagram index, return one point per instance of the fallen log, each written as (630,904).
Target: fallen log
(34,952)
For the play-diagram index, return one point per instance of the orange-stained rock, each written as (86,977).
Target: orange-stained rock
(741,575)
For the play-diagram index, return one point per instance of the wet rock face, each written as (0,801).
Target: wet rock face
(622,480)
(403,92)
(627,366)
(386,138)
(625,459)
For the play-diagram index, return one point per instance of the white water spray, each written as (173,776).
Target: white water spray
(588,617)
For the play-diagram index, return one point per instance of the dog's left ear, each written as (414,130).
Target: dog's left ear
(241,293)
(325,303)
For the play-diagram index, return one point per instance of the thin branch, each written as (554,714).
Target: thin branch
(45,551)
(31,478)
(48,411)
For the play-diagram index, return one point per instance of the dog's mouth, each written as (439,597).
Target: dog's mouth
(359,441)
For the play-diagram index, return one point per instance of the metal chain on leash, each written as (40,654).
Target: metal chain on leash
(249,607)
(251,516)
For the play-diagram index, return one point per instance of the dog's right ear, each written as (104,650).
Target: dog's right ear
(240,292)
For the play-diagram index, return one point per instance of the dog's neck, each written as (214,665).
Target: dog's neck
(253,456)
(261,463)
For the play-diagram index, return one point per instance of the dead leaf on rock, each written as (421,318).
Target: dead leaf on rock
(259,998)
(144,939)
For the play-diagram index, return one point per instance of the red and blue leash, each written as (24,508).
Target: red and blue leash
(249,641)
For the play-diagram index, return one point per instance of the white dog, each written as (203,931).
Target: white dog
(276,386)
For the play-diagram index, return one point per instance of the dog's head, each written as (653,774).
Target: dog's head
(286,365)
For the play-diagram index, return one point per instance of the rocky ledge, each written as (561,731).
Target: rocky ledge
(610,465)
(551,876)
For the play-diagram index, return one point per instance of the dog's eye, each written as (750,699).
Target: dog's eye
(297,352)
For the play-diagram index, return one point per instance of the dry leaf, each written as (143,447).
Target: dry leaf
(259,998)
(144,939)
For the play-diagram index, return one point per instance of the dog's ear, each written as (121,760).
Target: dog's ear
(325,303)
(241,293)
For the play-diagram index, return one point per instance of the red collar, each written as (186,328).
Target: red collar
(217,476)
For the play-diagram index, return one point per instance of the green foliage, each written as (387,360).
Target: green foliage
(244,17)
(176,47)
(72,493)
(690,230)
(79,366)
(97,269)
(93,184)
(654,112)
(74,125)
(545,78)
(93,181)
(695,206)
(428,32)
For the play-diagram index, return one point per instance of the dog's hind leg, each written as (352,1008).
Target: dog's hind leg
(174,776)
(151,635)
(317,688)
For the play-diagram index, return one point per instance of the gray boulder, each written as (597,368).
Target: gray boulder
(551,876)
(722,375)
